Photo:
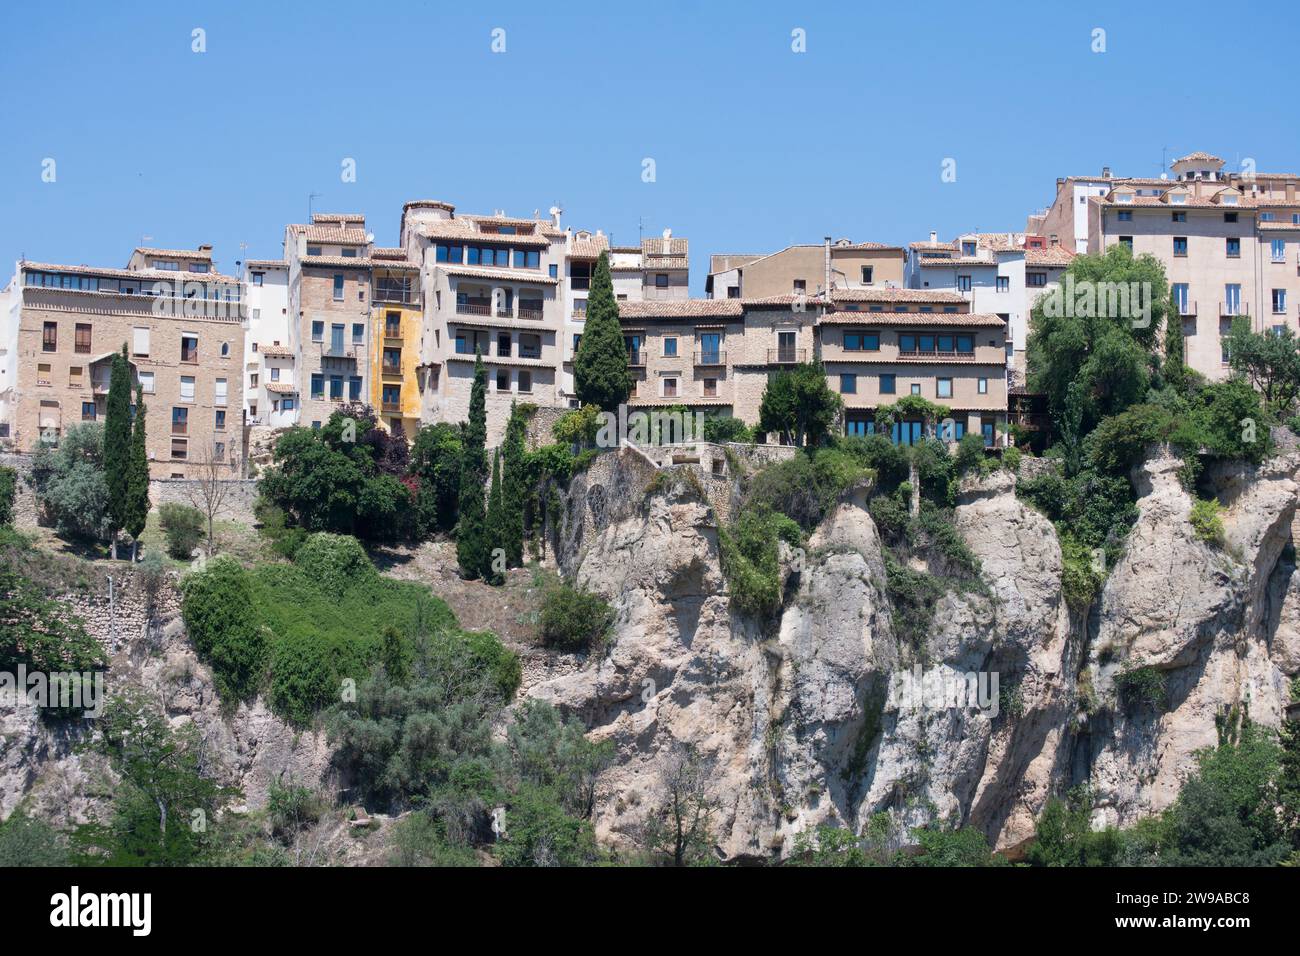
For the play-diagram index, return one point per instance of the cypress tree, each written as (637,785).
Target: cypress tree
(496,522)
(472,550)
(1175,361)
(514,488)
(117,446)
(600,372)
(137,494)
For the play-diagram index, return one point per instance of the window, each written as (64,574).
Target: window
(219,450)
(503,380)
(1278,248)
(525,380)
(462,345)
(848,383)
(553,270)
(190,349)
(916,389)
(661,280)
(348,253)
(670,346)
(1180,297)
(81,343)
(318,331)
(906,342)
(287,405)
(943,388)
(354,389)
(338,287)
(1180,246)
(887,383)
(1234,247)
(219,421)
(219,392)
(50,337)
(392,396)
(257,277)
(1035,280)
(1004,284)
(449,252)
(965,344)
(963,283)
(1229,217)
(317,386)
(146,382)
(313,250)
(710,348)
(1179,216)
(87,411)
(710,387)
(180,449)
(733,292)
(852,342)
(1279,301)
(1126,241)
(336,337)
(336,388)
(867,273)
(1125,215)
(800,286)
(670,387)
(528,259)
(982,386)
(967,248)
(139,341)
(187,388)
(358,333)
(1232,299)
(180,421)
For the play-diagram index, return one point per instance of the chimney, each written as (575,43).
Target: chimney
(1105,172)
(1290,192)
(826,267)
(1197,188)
(934,238)
(555,216)
(206,248)
(668,242)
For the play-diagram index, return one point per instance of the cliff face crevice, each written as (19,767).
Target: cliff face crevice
(806,721)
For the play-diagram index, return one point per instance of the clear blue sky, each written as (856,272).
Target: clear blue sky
(755,146)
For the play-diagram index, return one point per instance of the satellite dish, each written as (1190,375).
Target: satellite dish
(370,237)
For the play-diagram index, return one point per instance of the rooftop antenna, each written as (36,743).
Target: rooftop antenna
(311,198)
(243,247)
(1164,160)
(144,239)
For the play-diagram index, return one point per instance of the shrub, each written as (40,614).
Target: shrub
(8,490)
(1011,460)
(274,526)
(750,559)
(724,428)
(69,483)
(183,527)
(573,619)
(217,606)
(1080,580)
(1135,686)
(292,807)
(912,596)
(887,460)
(334,562)
(1206,521)
(970,452)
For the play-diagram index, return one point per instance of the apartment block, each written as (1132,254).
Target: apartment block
(1229,242)
(397,327)
(329,314)
(999,273)
(806,270)
(270,368)
(182,324)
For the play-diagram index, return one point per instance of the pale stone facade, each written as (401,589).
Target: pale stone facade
(182,325)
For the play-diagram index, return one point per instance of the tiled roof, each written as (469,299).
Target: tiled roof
(1051,256)
(918,319)
(654,257)
(275,351)
(427,204)
(506,275)
(932,261)
(335,234)
(892,294)
(679,308)
(1279,225)
(347,262)
(205,256)
(282,388)
(463,228)
(1198,157)
(266,264)
(866,246)
(927,244)
(590,247)
(164,275)
(337,218)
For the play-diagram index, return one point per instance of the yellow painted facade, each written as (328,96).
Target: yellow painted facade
(394,390)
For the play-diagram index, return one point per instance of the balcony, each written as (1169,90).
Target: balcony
(473,308)
(786,356)
(529,353)
(180,428)
(635,358)
(1229,310)
(531,315)
(945,355)
(399,293)
(392,371)
(711,357)
(392,407)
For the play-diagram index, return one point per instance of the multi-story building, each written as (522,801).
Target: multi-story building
(876,345)
(182,325)
(998,273)
(397,326)
(329,314)
(1229,242)
(270,382)
(805,270)
(657,269)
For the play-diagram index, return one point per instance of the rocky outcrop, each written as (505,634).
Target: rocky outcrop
(806,720)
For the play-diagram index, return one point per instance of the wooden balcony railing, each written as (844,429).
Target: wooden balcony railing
(711,357)
(786,356)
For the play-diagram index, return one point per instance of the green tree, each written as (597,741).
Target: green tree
(473,551)
(436,456)
(69,483)
(1270,361)
(799,406)
(514,488)
(1093,341)
(496,523)
(1175,358)
(117,447)
(8,493)
(137,492)
(600,372)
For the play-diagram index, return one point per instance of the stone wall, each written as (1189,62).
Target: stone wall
(539,427)
(24,501)
(113,618)
(1037,467)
